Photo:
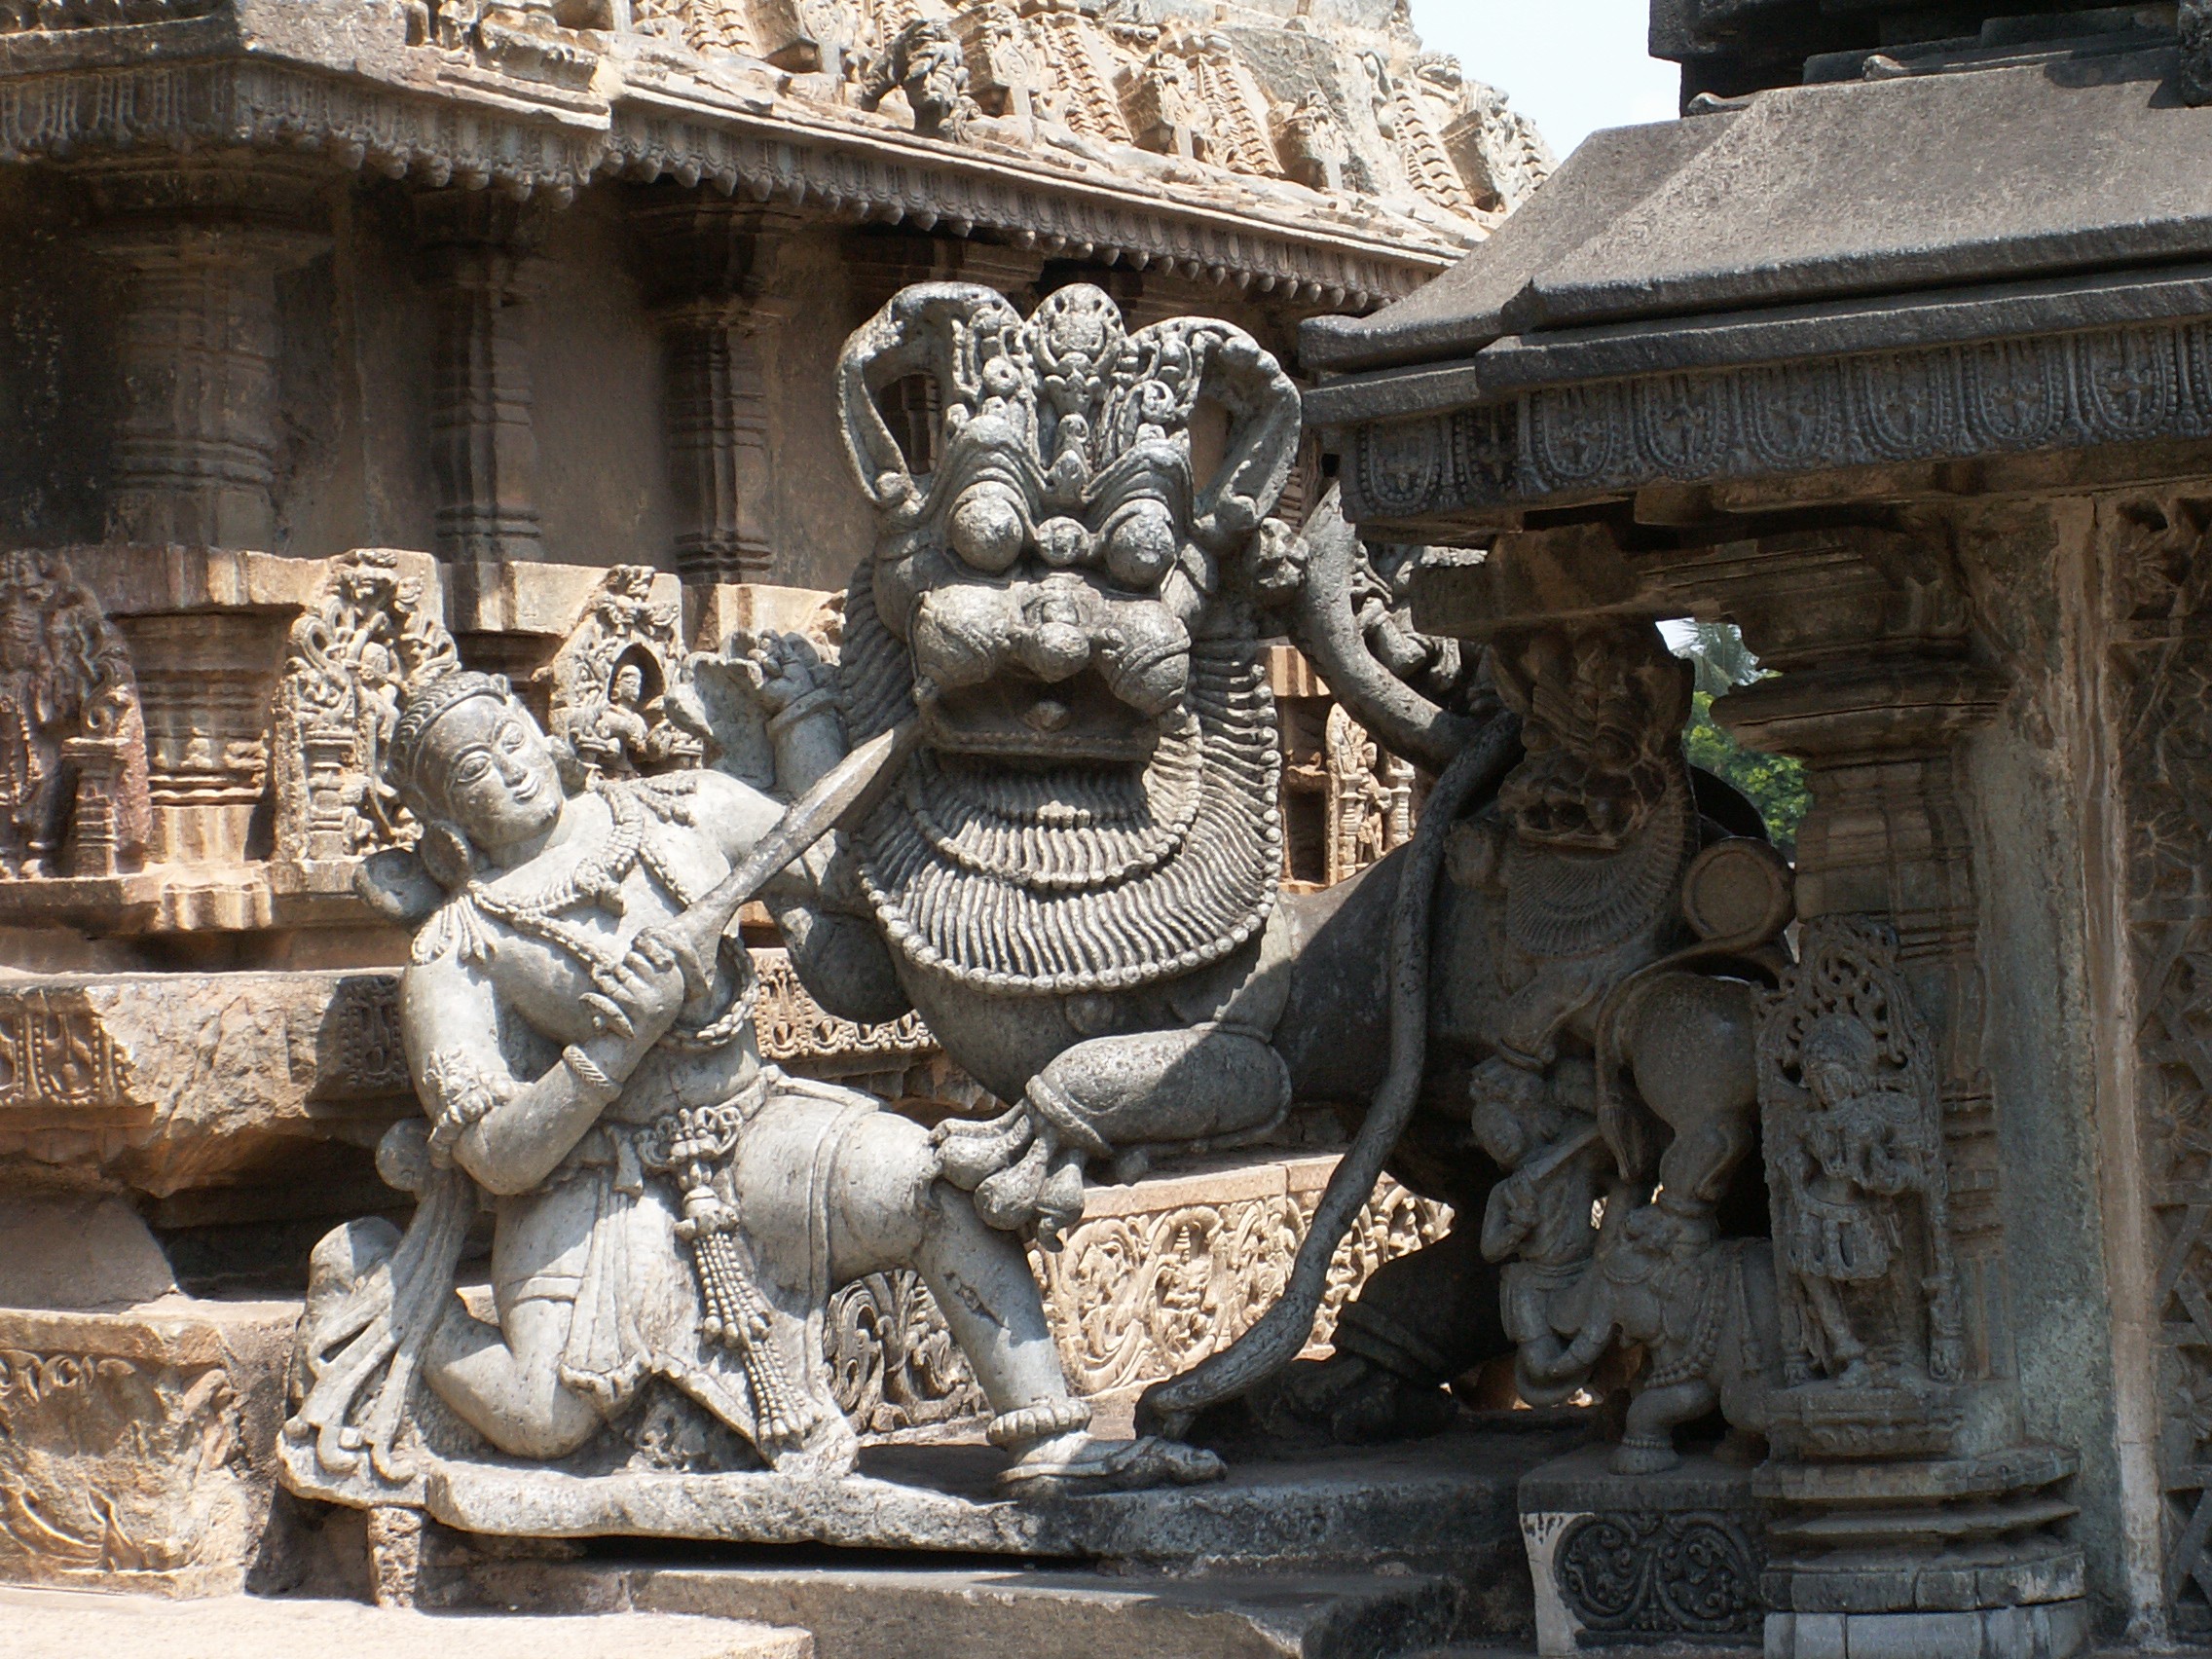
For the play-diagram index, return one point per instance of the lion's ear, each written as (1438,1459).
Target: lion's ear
(397,886)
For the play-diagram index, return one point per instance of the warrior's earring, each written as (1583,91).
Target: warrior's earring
(446,854)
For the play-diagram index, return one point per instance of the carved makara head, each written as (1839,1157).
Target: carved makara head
(1603,707)
(1047,565)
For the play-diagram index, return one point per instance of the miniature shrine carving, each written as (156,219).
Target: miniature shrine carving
(336,705)
(73,790)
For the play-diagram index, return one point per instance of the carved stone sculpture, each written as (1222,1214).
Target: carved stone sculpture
(1006,73)
(609,680)
(1039,595)
(1855,1161)
(334,707)
(73,796)
(671,1215)
(1311,140)
(1057,592)
(1370,797)
(924,61)
(1167,112)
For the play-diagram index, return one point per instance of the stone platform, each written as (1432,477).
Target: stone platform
(1444,1506)
(1016,1613)
(1335,1554)
(39,1623)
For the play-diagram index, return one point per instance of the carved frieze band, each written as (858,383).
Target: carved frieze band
(1134,1296)
(2107,386)
(265,105)
(56,1056)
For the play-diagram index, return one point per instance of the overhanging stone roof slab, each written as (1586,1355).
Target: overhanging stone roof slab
(1824,192)
(1854,275)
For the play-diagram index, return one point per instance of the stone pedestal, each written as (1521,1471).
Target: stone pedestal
(1642,1559)
(1939,1558)
(135,1445)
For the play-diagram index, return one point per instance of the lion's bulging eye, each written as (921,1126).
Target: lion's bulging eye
(987,531)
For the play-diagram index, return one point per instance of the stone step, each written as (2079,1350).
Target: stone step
(1013,1612)
(51,1624)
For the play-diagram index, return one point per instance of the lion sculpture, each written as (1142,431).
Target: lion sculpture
(1075,879)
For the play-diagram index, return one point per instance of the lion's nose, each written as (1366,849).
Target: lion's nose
(1053,649)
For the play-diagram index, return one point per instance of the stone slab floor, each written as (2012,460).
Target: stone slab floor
(56,1624)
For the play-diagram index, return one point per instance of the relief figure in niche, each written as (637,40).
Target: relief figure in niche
(670,1216)
(1856,1159)
(72,737)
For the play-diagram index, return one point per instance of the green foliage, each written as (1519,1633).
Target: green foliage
(1775,783)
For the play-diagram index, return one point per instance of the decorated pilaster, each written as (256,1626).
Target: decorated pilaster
(199,247)
(705,260)
(1907,1506)
(476,247)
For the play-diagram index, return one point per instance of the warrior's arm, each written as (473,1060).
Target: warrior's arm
(507,1133)
(835,944)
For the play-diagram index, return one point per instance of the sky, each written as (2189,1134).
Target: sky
(1572,65)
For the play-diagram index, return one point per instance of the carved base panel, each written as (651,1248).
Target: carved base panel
(1157,1276)
(1161,1273)
(135,1447)
(1944,1556)
(1642,1561)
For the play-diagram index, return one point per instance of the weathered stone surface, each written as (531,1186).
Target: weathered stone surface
(84,1252)
(1441,1505)
(165,1083)
(135,1447)
(893,1612)
(41,1622)
(1472,304)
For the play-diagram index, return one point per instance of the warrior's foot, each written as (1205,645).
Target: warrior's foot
(1075,1464)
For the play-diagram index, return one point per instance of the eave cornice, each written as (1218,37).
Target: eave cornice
(445,122)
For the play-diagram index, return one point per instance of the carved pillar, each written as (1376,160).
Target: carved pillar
(201,244)
(476,247)
(1876,694)
(2155,560)
(705,261)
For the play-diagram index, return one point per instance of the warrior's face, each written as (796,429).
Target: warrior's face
(490,762)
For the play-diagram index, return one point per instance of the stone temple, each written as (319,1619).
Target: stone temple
(859,828)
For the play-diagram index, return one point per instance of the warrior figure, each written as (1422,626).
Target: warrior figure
(666,1206)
